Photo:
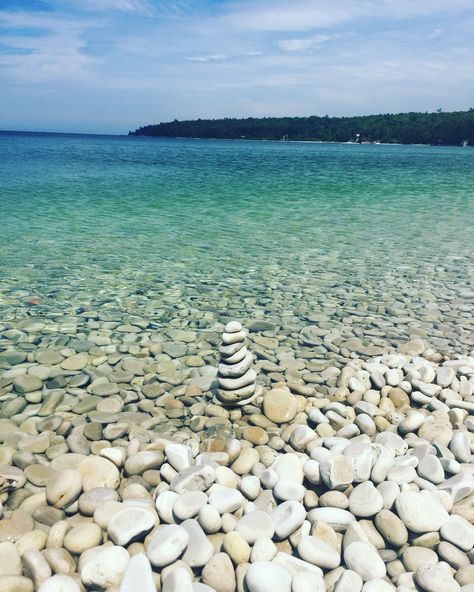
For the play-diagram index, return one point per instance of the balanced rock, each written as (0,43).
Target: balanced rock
(236,377)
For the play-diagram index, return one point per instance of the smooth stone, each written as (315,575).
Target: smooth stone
(189,504)
(263,576)
(286,489)
(294,565)
(364,559)
(318,552)
(349,581)
(264,549)
(60,560)
(232,384)
(195,478)
(229,337)
(103,567)
(178,455)
(233,327)
(235,370)
(105,511)
(130,524)
(391,528)
(465,575)
(178,579)
(460,447)
(459,487)
(434,578)
(14,583)
(236,547)
(459,531)
(35,566)
(414,557)
(378,585)
(63,488)
(199,549)
(219,573)
(445,376)
(164,504)
(279,405)
(97,471)
(430,468)
(286,518)
(12,357)
(15,525)
(238,396)
(75,362)
(337,472)
(82,537)
(167,545)
(245,461)
(10,561)
(288,466)
(365,500)
(27,383)
(337,518)
(226,500)
(255,525)
(362,457)
(419,512)
(138,576)
(59,583)
(307,582)
(452,555)
(92,499)
(138,463)
(210,519)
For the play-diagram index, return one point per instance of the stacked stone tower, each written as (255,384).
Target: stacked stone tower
(236,377)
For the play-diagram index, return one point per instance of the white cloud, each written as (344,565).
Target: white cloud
(137,6)
(302,44)
(304,15)
(213,57)
(55,52)
(217,57)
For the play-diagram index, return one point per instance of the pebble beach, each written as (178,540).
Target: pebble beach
(271,408)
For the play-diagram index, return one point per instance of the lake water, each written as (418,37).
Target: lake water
(371,242)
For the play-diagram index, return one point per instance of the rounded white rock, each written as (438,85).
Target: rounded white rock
(255,525)
(435,578)
(59,583)
(104,568)
(364,559)
(307,582)
(226,500)
(130,524)
(420,512)
(365,500)
(318,552)
(167,545)
(263,576)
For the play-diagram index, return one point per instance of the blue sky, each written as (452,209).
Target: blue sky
(112,65)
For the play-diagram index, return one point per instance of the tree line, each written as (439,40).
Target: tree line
(439,128)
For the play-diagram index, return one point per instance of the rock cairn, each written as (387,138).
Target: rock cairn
(237,380)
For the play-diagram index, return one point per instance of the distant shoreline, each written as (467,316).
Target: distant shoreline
(144,136)
(438,129)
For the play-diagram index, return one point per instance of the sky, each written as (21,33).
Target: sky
(108,66)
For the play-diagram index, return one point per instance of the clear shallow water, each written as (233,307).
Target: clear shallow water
(178,229)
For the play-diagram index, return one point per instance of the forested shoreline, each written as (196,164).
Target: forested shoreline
(439,128)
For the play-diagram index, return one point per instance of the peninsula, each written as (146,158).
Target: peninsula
(438,128)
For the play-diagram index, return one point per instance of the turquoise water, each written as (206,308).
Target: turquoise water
(175,230)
